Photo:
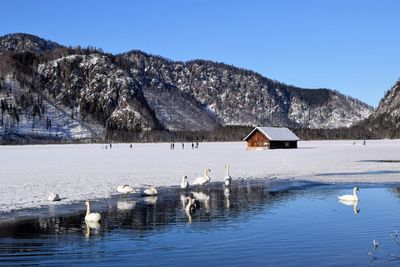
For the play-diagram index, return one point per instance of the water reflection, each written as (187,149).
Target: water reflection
(354,204)
(259,220)
(124,205)
(152,200)
(91,226)
(203,198)
(144,214)
(227,194)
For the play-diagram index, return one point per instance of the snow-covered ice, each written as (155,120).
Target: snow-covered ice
(86,171)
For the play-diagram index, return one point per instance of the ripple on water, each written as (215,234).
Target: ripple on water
(255,224)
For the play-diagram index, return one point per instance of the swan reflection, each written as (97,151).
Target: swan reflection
(91,226)
(150,200)
(189,204)
(203,198)
(125,205)
(227,194)
(356,210)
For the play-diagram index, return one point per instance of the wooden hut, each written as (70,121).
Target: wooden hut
(270,138)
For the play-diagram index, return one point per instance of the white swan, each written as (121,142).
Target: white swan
(53,197)
(125,189)
(353,197)
(202,180)
(184,183)
(91,217)
(228,178)
(151,191)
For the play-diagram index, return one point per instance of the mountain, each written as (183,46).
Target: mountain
(385,121)
(235,96)
(22,42)
(50,91)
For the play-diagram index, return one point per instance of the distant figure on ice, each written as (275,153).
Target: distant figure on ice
(354,142)
(364,143)
(197,144)
(192,146)
(106,146)
(173,145)
(130,146)
(183,146)
(110,146)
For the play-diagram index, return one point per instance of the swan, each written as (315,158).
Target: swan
(228,178)
(202,180)
(184,183)
(353,197)
(54,197)
(91,217)
(151,191)
(125,189)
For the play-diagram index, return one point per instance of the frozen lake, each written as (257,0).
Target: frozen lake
(255,223)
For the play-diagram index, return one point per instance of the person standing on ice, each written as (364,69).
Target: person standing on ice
(192,145)
(183,146)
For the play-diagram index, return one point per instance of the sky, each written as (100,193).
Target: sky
(349,46)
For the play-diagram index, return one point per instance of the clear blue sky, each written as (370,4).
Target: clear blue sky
(350,46)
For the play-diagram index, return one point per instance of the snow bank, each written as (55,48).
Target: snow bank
(78,172)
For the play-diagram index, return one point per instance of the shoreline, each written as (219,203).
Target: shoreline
(60,209)
(86,171)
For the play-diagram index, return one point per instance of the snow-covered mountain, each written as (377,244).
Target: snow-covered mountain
(22,42)
(49,90)
(240,97)
(385,121)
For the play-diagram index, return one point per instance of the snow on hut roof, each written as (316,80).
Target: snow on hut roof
(275,134)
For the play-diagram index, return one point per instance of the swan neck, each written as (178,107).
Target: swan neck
(227,170)
(206,174)
(87,209)
(355,194)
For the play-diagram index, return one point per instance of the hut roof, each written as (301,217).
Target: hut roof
(275,134)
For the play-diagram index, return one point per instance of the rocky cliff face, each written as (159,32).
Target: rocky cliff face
(239,97)
(84,92)
(22,42)
(386,119)
(92,85)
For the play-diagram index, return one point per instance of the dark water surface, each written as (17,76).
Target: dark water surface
(255,223)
